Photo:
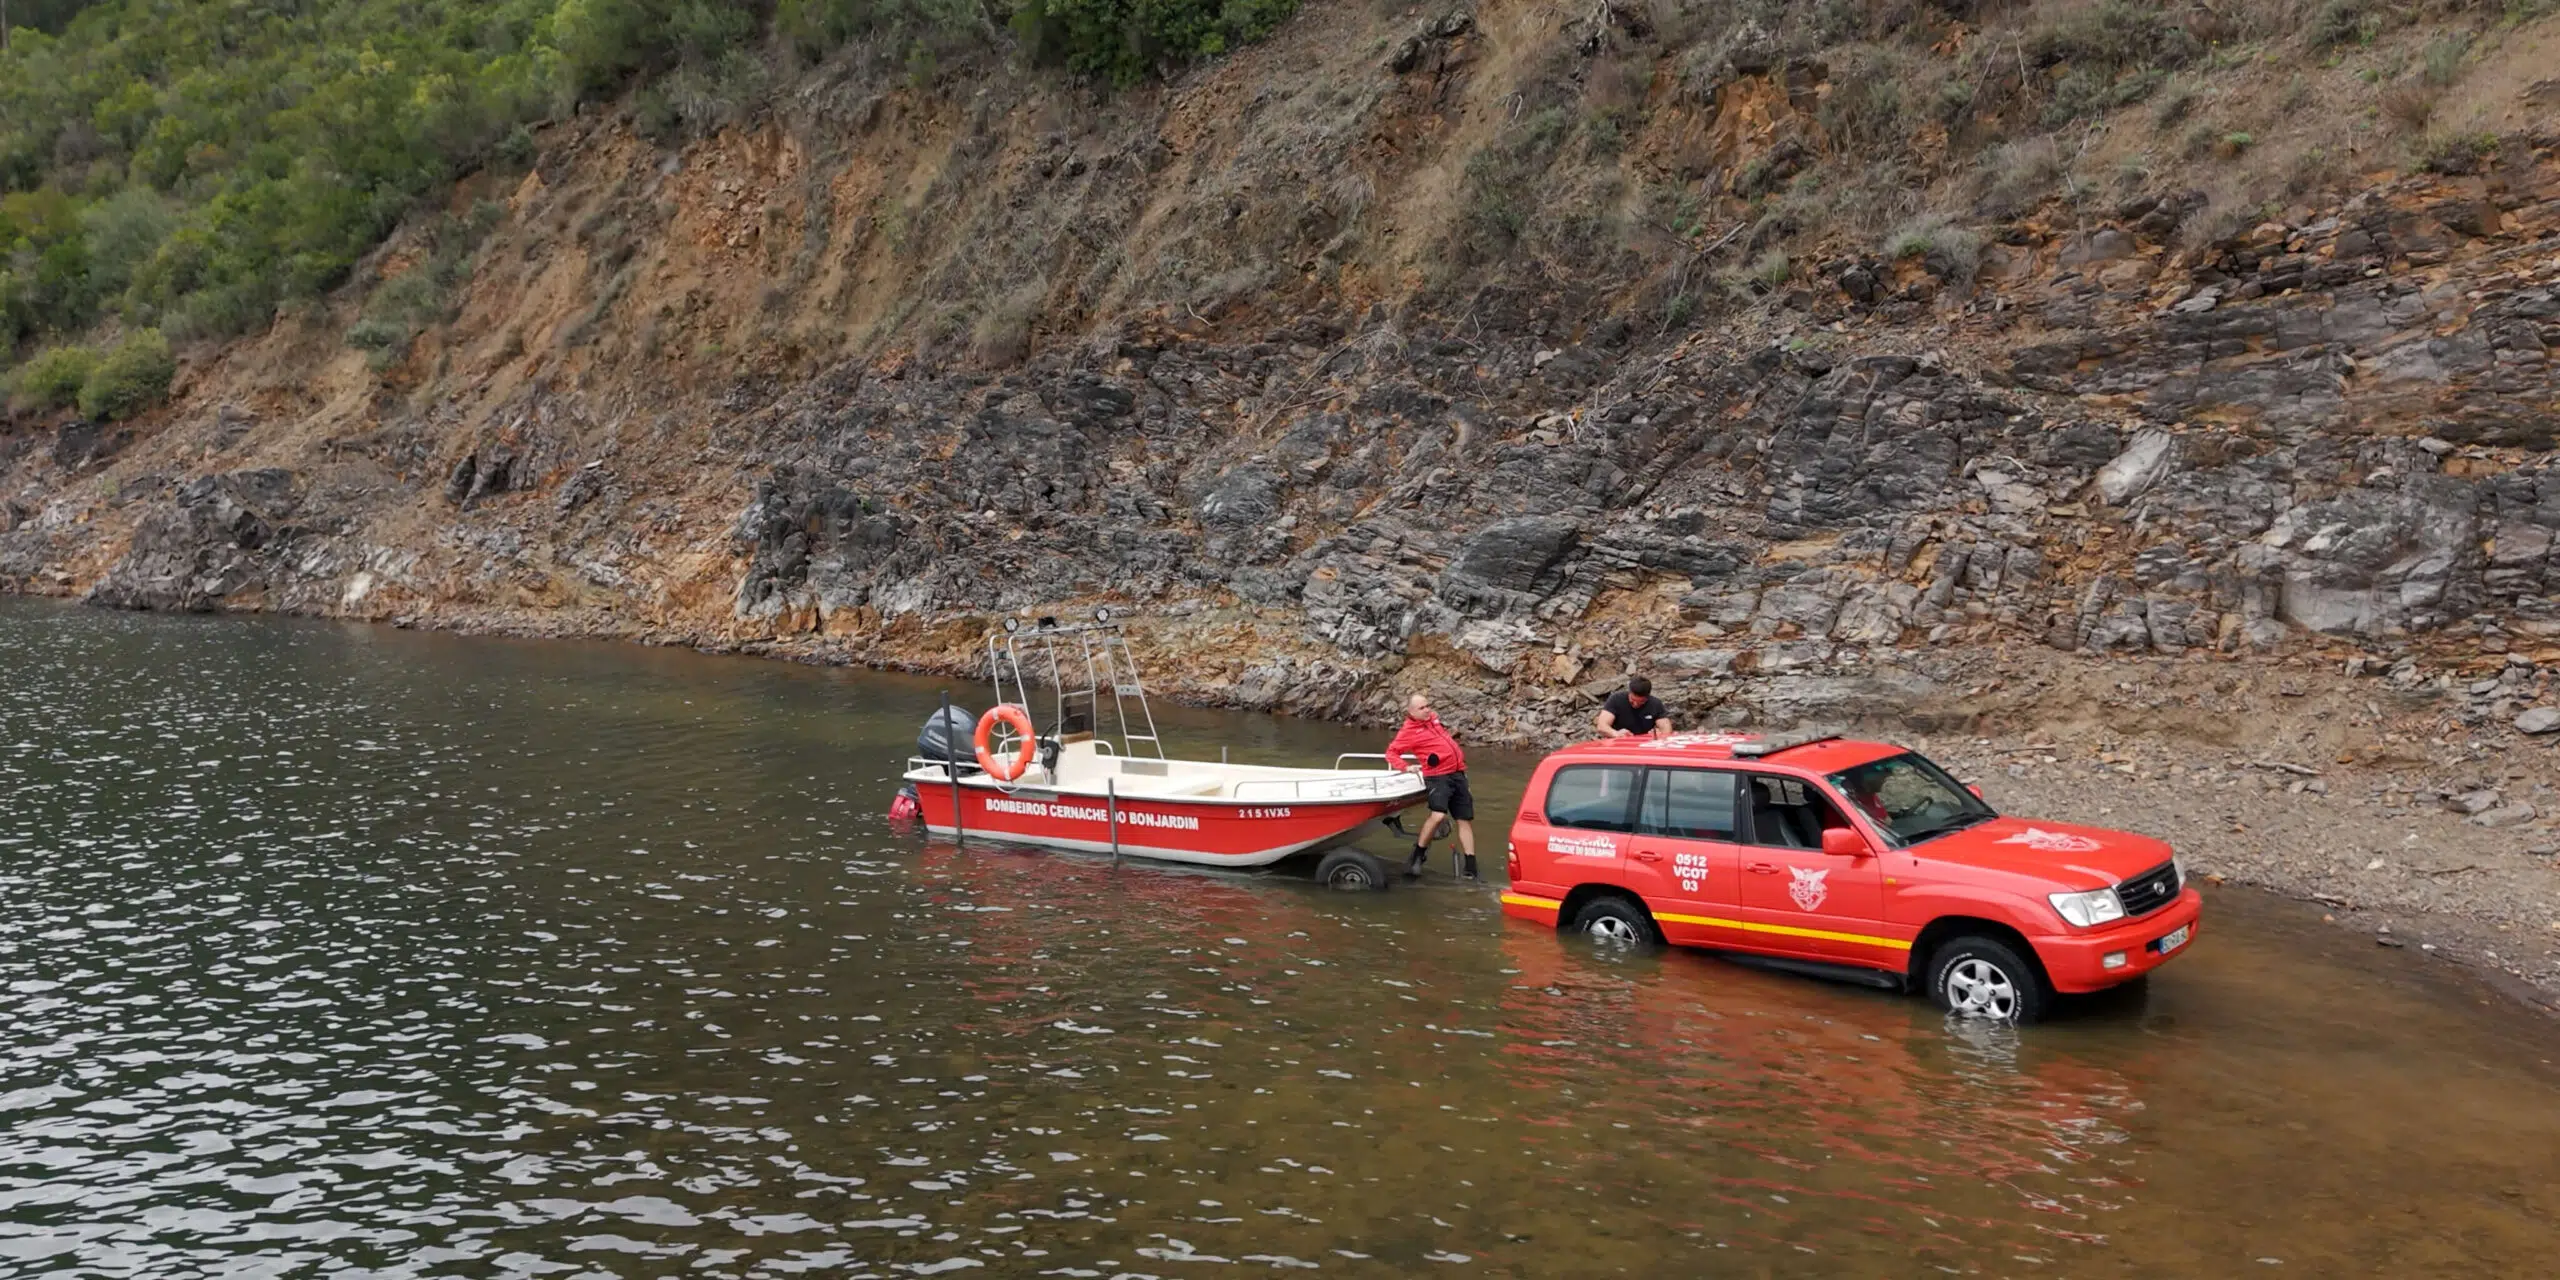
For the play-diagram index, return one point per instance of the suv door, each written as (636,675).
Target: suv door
(1684,858)
(1798,900)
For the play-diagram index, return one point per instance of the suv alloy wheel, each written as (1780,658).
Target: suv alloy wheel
(1979,977)
(1617,922)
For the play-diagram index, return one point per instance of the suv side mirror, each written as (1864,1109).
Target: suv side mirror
(1845,842)
(1976,790)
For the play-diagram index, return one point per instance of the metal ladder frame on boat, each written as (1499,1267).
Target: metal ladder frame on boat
(1102,648)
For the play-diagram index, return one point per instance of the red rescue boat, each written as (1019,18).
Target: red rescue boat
(1072,787)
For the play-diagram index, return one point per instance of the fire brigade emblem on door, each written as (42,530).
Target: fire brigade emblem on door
(1807,887)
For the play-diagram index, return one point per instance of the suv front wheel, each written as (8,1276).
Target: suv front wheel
(1979,977)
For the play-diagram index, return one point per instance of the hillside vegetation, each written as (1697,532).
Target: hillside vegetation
(191,165)
(182,170)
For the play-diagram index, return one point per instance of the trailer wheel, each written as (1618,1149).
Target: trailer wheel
(1351,869)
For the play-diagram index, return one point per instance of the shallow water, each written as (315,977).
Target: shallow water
(347,951)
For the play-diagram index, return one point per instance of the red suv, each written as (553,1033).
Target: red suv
(1853,859)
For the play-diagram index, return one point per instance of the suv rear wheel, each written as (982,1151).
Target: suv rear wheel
(1978,977)
(1616,921)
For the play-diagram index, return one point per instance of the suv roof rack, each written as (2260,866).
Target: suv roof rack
(1772,746)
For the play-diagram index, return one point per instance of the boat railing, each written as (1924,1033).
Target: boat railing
(1366,783)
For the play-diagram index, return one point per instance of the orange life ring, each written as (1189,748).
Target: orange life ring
(1007,714)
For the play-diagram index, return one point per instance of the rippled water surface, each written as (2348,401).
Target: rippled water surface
(331,951)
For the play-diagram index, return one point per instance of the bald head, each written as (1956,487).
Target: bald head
(1418,707)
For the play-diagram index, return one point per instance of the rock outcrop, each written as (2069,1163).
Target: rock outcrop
(219,540)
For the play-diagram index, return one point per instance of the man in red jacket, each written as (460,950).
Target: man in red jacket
(1427,747)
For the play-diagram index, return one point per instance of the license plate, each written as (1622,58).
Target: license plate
(2173,939)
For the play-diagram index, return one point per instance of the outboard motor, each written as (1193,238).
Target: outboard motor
(908,807)
(950,737)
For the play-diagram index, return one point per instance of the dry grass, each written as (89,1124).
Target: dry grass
(1002,335)
(2409,105)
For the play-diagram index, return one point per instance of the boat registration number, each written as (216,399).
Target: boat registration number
(2173,939)
(1264,813)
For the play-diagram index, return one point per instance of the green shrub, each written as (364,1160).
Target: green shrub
(1501,189)
(2174,106)
(2083,92)
(2457,152)
(1865,110)
(1604,133)
(705,98)
(51,380)
(2342,22)
(817,27)
(222,312)
(920,66)
(601,42)
(2115,36)
(132,378)
(123,231)
(1123,40)
(378,334)
(2015,176)
(515,151)
(421,296)
(2443,59)
(1955,99)
(1954,252)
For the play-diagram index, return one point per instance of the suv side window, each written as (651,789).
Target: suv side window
(1592,797)
(1689,804)
(1789,813)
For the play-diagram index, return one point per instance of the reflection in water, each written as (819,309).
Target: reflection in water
(1857,1139)
(336,950)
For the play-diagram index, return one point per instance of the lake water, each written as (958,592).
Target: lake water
(349,951)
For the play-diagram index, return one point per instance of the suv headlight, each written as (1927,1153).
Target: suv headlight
(2178,863)
(2095,907)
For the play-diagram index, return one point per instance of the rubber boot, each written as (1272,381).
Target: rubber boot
(1467,867)
(1413,865)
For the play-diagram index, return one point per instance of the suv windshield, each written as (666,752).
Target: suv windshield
(1911,798)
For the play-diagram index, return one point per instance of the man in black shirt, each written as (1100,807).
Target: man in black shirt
(1633,712)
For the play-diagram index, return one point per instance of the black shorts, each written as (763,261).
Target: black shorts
(1447,793)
